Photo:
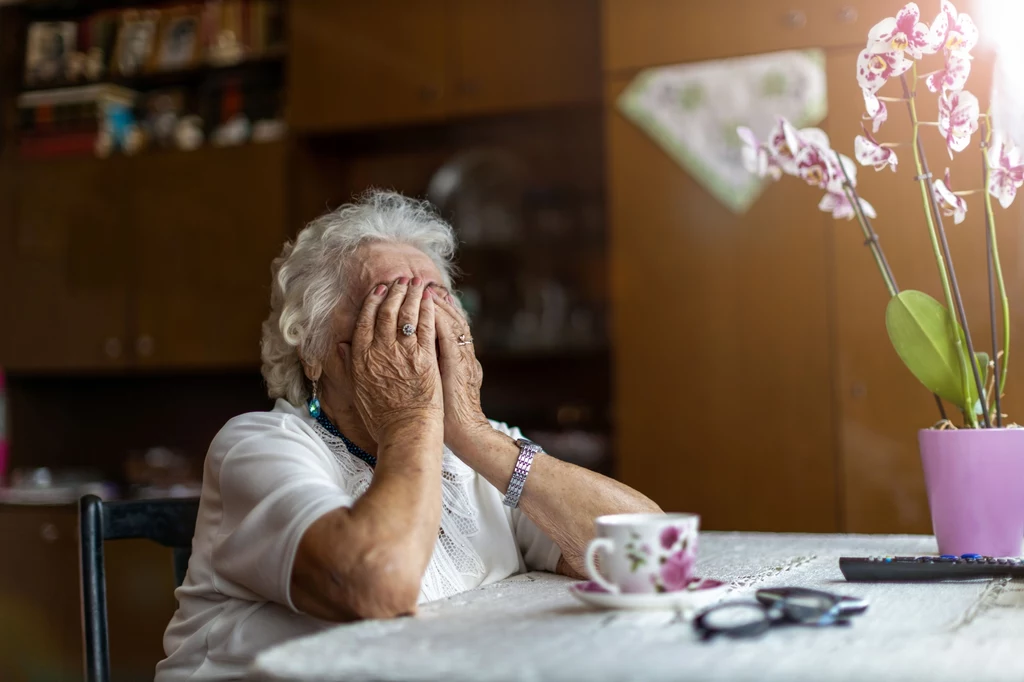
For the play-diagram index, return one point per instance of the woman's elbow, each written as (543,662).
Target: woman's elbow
(384,588)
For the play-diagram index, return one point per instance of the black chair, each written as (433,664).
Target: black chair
(172,523)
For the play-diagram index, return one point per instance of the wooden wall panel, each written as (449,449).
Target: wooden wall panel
(721,338)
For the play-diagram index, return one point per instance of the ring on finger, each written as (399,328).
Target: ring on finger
(408,329)
(464,340)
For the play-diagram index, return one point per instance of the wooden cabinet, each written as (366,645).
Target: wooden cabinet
(371,64)
(521,54)
(159,260)
(355,64)
(40,619)
(64,266)
(720,334)
(205,230)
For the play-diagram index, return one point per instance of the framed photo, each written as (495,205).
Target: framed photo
(49,45)
(179,44)
(135,42)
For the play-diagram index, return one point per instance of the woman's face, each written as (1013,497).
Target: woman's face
(378,263)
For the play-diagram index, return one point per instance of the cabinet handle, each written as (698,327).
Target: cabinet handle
(796,19)
(112,347)
(144,345)
(847,14)
(49,533)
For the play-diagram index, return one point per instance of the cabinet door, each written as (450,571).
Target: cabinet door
(63,266)
(40,612)
(524,54)
(206,226)
(354,64)
(721,340)
(881,404)
(40,593)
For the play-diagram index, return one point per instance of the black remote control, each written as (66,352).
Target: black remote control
(945,567)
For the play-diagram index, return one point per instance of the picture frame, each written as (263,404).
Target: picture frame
(48,47)
(135,42)
(180,40)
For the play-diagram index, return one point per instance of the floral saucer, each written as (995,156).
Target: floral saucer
(699,594)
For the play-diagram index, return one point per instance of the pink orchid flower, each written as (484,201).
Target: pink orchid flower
(1007,172)
(903,33)
(870,153)
(841,208)
(950,203)
(952,31)
(874,69)
(958,119)
(953,77)
(877,113)
(785,143)
(757,158)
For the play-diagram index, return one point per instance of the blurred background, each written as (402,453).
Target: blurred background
(639,307)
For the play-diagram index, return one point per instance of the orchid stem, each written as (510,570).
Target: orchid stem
(870,236)
(943,259)
(871,240)
(996,268)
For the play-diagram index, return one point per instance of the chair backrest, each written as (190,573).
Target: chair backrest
(171,523)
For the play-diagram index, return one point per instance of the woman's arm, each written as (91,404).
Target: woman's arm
(562,499)
(368,561)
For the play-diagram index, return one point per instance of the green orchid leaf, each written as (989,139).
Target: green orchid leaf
(919,328)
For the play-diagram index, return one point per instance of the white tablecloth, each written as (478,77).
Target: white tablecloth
(529,628)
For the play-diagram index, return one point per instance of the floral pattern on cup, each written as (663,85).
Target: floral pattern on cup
(675,559)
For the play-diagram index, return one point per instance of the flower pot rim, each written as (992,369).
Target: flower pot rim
(953,433)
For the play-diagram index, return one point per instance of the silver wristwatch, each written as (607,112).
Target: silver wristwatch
(527,451)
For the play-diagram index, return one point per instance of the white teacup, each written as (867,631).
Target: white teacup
(644,553)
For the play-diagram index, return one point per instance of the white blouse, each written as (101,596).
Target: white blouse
(268,476)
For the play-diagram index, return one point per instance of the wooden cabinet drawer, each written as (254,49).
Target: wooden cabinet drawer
(643,33)
(359,64)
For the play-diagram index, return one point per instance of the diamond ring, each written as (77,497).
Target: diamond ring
(463,341)
(408,329)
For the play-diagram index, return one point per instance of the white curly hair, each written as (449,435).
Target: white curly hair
(308,279)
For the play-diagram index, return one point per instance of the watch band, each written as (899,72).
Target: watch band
(527,451)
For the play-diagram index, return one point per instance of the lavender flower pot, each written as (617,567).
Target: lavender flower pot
(975,482)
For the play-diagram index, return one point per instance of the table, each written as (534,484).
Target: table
(528,628)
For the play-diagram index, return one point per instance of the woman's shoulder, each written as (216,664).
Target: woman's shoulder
(284,424)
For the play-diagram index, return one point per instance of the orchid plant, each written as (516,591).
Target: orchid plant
(932,339)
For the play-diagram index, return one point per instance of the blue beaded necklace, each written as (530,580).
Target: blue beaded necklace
(322,420)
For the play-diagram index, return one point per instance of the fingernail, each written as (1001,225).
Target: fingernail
(426,294)
(449,299)
(381,288)
(415,281)
(403,280)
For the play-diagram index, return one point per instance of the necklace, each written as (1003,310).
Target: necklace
(329,426)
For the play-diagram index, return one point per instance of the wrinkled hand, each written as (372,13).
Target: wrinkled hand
(461,376)
(396,378)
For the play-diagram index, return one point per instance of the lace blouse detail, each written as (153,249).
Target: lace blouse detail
(455,565)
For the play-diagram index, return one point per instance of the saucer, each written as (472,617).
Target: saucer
(701,594)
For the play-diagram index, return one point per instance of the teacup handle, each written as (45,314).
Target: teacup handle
(595,546)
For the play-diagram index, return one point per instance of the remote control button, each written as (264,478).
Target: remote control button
(946,559)
(887,559)
(970,556)
(949,557)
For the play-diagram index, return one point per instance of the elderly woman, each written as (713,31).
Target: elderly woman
(376,482)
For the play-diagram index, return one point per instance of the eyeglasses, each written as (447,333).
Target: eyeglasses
(777,606)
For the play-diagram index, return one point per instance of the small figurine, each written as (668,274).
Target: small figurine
(118,130)
(188,134)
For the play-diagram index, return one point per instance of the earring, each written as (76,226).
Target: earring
(314,402)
